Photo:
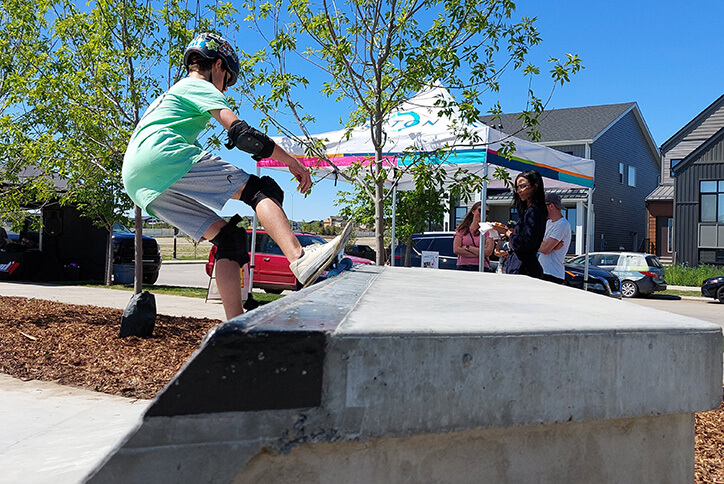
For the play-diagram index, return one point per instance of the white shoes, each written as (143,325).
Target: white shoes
(315,258)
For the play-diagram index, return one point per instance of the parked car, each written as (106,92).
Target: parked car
(361,250)
(640,273)
(124,254)
(599,280)
(713,287)
(271,267)
(440,242)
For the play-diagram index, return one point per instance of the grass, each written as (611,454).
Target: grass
(679,275)
(197,292)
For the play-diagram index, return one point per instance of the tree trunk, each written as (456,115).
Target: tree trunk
(138,273)
(408,251)
(380,219)
(109,258)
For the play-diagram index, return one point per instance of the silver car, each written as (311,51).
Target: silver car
(640,273)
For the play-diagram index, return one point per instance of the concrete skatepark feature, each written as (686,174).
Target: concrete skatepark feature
(416,375)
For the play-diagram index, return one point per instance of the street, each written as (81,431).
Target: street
(699,308)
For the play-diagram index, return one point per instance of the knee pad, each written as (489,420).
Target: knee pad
(257,189)
(231,242)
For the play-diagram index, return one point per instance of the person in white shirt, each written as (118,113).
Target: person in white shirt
(556,240)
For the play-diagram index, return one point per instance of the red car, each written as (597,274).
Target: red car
(271,271)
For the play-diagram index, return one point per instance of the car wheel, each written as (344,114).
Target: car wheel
(150,277)
(720,294)
(273,291)
(629,289)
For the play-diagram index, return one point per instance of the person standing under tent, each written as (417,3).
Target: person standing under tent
(529,201)
(556,240)
(466,242)
(168,174)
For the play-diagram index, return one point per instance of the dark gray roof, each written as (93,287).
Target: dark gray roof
(568,124)
(661,193)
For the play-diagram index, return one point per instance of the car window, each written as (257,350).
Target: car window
(607,260)
(633,261)
(260,242)
(306,240)
(271,247)
(442,245)
(653,261)
(420,244)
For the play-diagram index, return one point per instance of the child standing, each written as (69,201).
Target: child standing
(169,175)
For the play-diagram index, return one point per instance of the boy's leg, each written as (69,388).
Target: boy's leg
(275,221)
(228,277)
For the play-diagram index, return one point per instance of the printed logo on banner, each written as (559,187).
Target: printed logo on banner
(9,267)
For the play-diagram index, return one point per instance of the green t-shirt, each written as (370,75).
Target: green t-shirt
(163,147)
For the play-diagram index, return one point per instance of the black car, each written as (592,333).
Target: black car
(361,250)
(599,280)
(124,256)
(440,242)
(713,287)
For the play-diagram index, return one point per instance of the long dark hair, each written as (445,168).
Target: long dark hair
(468,219)
(539,195)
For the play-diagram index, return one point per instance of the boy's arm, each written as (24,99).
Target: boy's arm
(227,118)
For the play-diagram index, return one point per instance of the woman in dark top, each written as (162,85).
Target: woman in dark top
(529,200)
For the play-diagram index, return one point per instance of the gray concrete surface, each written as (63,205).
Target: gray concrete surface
(56,434)
(500,369)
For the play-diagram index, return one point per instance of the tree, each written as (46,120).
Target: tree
(86,81)
(376,54)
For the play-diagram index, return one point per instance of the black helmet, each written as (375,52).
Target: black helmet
(211,46)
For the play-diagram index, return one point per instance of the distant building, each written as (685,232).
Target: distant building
(627,160)
(688,207)
(334,221)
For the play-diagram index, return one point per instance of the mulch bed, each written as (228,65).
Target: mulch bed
(79,346)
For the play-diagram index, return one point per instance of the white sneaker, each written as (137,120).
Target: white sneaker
(316,257)
(314,260)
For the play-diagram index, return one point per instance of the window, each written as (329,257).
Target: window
(620,172)
(632,176)
(672,165)
(711,203)
(460,213)
(670,241)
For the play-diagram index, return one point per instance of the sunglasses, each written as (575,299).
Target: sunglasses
(522,186)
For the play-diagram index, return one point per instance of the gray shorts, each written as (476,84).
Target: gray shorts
(210,183)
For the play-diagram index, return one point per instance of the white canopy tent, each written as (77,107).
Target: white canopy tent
(419,128)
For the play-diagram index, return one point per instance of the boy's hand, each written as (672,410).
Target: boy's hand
(301,173)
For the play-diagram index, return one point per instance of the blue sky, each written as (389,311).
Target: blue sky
(663,55)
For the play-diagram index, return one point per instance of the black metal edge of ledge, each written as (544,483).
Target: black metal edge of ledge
(270,358)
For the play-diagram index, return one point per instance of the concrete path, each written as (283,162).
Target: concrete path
(113,298)
(57,434)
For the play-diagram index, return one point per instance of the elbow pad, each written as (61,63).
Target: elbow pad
(250,140)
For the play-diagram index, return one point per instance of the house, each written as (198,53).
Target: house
(693,172)
(627,170)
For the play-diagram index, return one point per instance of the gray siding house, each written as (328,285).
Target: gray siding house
(627,170)
(695,157)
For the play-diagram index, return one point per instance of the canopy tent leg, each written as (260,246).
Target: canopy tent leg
(253,242)
(394,213)
(589,229)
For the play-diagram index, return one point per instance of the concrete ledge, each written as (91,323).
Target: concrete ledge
(409,357)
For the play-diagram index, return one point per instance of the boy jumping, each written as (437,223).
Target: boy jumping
(166,173)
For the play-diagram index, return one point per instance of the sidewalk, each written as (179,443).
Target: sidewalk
(114,298)
(57,434)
